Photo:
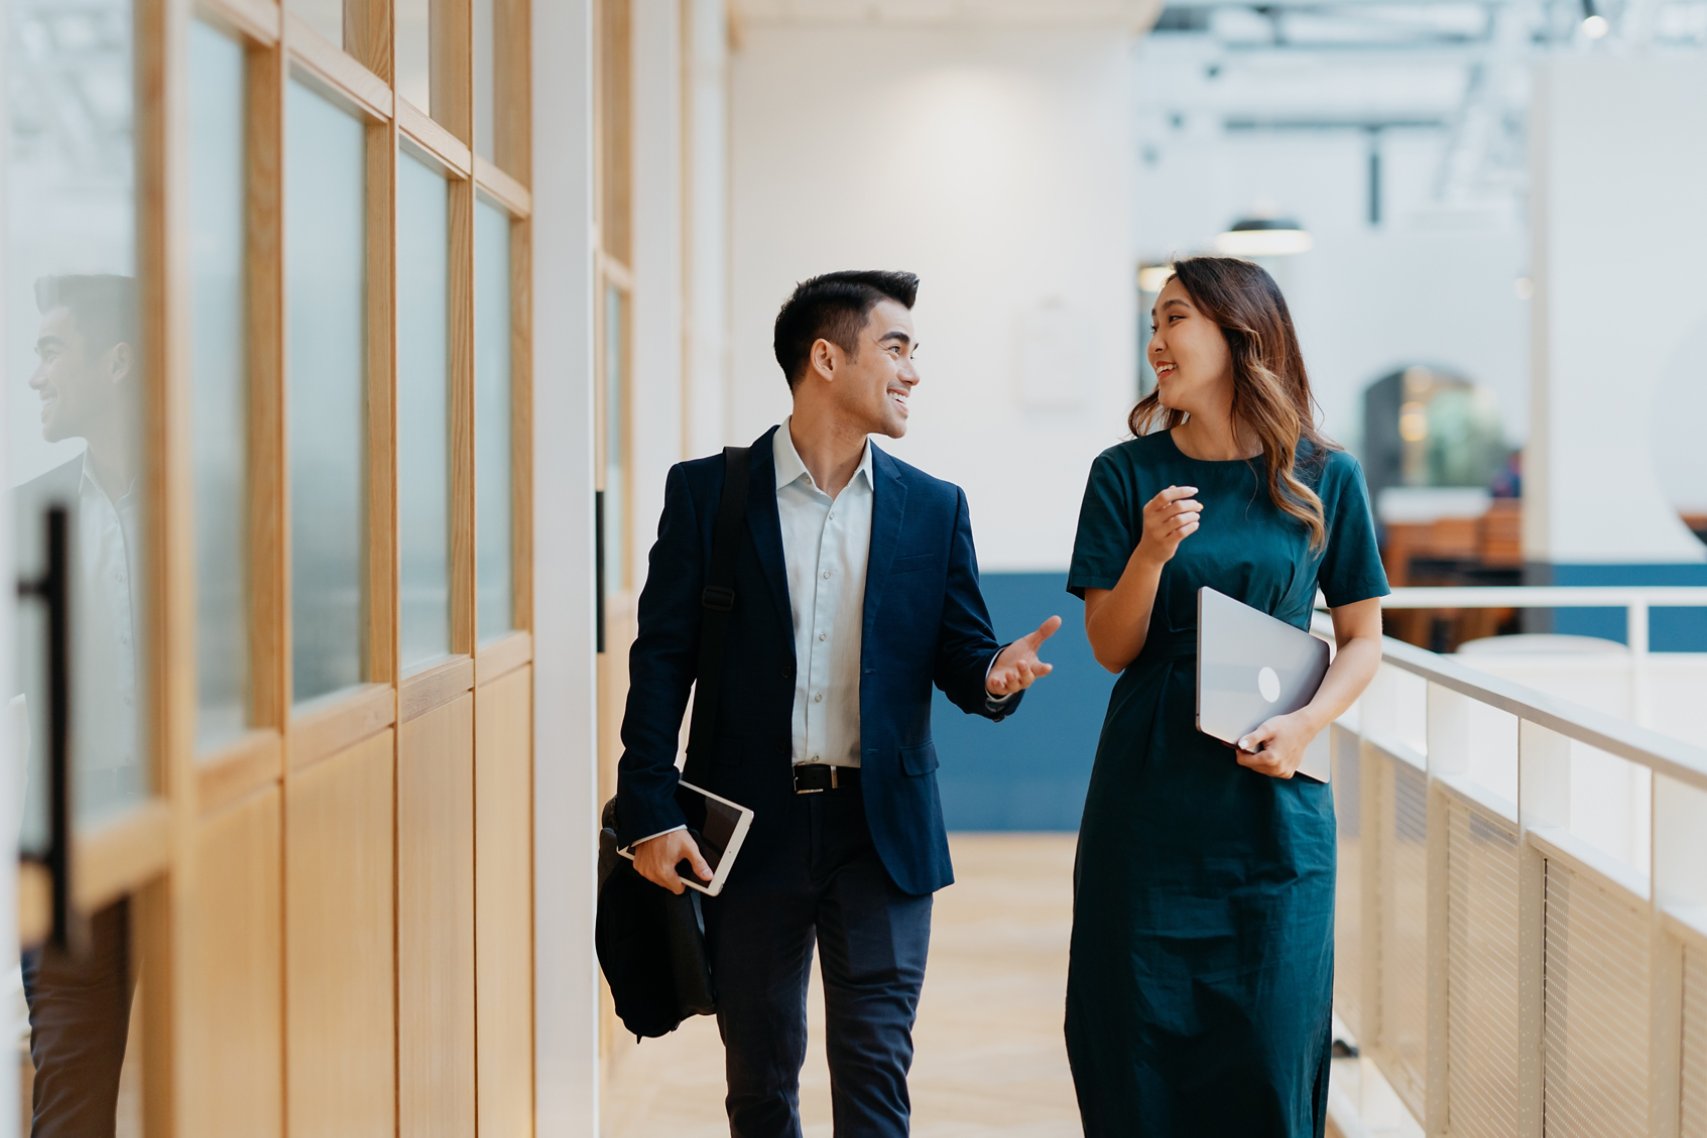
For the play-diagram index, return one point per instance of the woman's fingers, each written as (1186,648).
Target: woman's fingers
(1170,517)
(1263,762)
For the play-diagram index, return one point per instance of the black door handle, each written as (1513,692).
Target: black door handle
(53,588)
(599,583)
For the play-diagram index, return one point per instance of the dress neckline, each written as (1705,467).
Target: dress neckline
(1169,435)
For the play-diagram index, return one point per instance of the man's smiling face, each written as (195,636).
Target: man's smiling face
(873,387)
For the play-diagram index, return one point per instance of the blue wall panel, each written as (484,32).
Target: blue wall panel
(1669,630)
(1030,771)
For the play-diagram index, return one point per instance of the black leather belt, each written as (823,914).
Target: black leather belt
(816,778)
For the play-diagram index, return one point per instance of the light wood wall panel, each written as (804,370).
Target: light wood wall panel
(503,796)
(435,923)
(340,947)
(615,209)
(233,940)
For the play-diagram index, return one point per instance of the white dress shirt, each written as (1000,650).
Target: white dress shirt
(826,543)
(104,668)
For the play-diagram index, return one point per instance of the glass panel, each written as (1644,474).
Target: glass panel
(325,299)
(485,84)
(492,418)
(616,493)
(76,391)
(74,408)
(324,16)
(423,407)
(218,382)
(414,67)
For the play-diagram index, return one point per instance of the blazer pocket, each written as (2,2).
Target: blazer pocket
(914,563)
(919,761)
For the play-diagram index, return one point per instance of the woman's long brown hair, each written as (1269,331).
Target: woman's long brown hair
(1271,389)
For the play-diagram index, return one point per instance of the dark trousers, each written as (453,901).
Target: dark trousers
(79,1019)
(824,884)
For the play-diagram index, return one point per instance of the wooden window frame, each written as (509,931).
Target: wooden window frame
(281,47)
(145,849)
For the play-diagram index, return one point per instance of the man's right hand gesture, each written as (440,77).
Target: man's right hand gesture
(656,859)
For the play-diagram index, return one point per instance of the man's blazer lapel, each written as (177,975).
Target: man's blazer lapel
(888,512)
(766,526)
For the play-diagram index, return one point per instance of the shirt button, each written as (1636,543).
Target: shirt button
(826,574)
(819,698)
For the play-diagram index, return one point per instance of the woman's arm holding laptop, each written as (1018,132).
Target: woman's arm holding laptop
(1277,747)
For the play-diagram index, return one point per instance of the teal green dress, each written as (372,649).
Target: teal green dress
(1200,986)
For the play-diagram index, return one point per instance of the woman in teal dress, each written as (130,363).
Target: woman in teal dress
(1200,986)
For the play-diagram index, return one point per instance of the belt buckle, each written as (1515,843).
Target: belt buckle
(835,780)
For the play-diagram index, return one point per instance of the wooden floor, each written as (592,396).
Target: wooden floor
(990,1057)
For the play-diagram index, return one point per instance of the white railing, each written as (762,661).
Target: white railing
(1522,912)
(1644,678)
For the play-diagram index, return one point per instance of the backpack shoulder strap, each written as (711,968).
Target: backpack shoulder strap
(717,601)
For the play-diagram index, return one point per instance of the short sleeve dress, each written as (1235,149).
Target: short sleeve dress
(1200,986)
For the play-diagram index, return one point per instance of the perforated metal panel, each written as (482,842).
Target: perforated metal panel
(1482,918)
(1404,949)
(1348,899)
(1694,1042)
(1596,1008)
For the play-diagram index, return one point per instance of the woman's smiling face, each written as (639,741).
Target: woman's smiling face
(1188,350)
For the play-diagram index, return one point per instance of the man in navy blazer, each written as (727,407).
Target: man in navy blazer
(856,590)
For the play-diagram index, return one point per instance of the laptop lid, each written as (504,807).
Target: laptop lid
(1252,667)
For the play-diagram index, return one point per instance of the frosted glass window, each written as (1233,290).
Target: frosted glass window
(485,79)
(218,383)
(492,419)
(76,393)
(423,408)
(414,57)
(326,344)
(324,16)
(616,492)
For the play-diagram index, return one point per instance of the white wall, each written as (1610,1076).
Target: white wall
(1619,178)
(707,275)
(1427,286)
(566,997)
(657,393)
(995,163)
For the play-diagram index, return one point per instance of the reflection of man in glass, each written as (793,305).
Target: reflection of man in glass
(88,380)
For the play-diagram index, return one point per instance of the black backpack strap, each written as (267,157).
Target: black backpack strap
(717,601)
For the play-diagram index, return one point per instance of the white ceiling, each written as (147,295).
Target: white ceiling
(1134,16)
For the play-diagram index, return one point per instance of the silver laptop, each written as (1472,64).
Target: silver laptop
(1252,667)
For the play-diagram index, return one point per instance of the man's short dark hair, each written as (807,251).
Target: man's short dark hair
(102,305)
(834,307)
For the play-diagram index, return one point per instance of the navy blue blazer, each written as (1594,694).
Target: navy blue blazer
(924,623)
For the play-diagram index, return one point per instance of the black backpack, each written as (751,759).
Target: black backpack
(651,944)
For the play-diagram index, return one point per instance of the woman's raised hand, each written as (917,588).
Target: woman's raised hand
(1169,518)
